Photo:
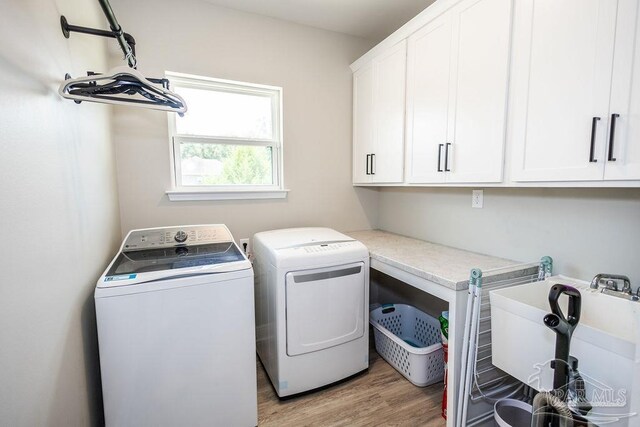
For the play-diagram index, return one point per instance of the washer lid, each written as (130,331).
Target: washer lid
(163,259)
(165,253)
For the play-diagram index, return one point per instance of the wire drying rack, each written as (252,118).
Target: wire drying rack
(483,384)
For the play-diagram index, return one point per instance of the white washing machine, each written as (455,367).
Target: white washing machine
(176,333)
(312,299)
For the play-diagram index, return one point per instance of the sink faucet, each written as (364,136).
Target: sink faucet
(610,283)
(610,286)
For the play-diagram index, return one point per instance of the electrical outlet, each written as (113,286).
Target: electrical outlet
(477,198)
(247,249)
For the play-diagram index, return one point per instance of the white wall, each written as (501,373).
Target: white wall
(59,216)
(586,231)
(311,65)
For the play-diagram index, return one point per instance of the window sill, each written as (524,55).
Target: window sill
(183,195)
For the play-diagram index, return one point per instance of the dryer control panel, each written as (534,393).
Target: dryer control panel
(176,236)
(325,247)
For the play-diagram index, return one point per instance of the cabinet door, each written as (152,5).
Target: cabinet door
(625,96)
(363,122)
(477,111)
(561,74)
(389,102)
(428,73)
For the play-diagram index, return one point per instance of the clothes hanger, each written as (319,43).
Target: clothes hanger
(121,85)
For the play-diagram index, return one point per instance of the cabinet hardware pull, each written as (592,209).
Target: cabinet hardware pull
(373,158)
(594,125)
(446,158)
(440,157)
(368,156)
(612,135)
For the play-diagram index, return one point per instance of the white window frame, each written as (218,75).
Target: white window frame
(181,192)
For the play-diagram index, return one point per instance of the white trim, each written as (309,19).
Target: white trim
(197,139)
(184,195)
(223,192)
(274,95)
(512,184)
(188,79)
(278,170)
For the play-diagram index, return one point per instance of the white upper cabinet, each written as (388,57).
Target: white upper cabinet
(429,54)
(554,84)
(363,140)
(378,131)
(389,100)
(624,147)
(572,91)
(457,82)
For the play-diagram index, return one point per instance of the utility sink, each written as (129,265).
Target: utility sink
(606,343)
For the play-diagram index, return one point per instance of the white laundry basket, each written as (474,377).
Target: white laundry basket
(410,341)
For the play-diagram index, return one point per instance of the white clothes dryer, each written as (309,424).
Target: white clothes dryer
(176,330)
(312,299)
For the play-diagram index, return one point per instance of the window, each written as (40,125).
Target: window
(229,143)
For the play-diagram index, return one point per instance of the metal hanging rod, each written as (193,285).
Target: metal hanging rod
(125,40)
(121,85)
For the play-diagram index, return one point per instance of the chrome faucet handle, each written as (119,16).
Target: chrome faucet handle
(611,282)
(596,280)
(611,285)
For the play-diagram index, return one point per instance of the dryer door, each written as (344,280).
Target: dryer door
(325,307)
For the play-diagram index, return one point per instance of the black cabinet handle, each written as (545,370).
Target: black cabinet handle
(440,157)
(594,126)
(446,158)
(368,156)
(612,135)
(373,158)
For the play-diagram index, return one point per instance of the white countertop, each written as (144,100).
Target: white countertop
(444,265)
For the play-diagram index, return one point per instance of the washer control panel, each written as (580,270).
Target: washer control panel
(181,236)
(177,236)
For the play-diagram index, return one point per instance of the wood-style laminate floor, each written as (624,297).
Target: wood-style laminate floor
(378,397)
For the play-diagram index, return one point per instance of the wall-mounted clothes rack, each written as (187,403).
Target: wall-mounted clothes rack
(483,384)
(122,85)
(126,40)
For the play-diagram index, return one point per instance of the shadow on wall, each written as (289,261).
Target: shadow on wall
(247,217)
(27,80)
(585,230)
(572,193)
(92,361)
(541,193)
(26,53)
(368,198)
(71,356)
